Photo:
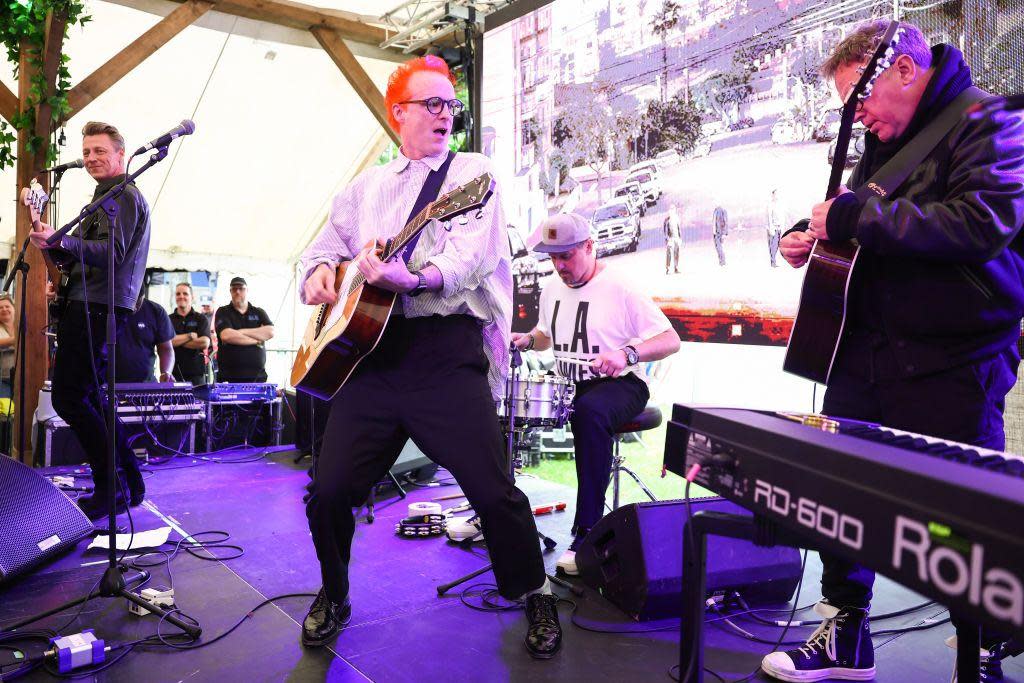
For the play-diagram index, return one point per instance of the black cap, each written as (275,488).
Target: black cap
(238,282)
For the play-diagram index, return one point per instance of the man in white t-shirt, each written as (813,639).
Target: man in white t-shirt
(601,327)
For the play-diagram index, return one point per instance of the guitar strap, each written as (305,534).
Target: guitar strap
(428,193)
(888,178)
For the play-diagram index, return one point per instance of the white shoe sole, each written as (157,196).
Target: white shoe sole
(567,567)
(837,672)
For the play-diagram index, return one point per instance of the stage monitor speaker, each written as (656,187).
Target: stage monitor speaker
(37,520)
(634,557)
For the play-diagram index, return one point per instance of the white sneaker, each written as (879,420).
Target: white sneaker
(567,563)
(465,529)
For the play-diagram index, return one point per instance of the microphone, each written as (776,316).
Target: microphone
(186,128)
(77,163)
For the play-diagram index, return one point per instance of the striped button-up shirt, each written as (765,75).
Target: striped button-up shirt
(474,258)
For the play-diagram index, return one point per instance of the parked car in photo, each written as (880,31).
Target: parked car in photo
(633,192)
(668,157)
(650,166)
(614,228)
(650,188)
(855,150)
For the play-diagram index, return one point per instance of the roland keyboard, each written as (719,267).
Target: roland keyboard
(942,518)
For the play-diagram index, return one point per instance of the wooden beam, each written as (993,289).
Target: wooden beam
(357,77)
(96,83)
(304,17)
(35,347)
(56,23)
(8,103)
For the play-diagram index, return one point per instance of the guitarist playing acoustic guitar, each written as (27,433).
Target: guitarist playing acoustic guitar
(936,297)
(76,397)
(434,374)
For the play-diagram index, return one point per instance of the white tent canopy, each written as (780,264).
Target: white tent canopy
(278,132)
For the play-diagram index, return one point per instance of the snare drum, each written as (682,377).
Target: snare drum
(539,401)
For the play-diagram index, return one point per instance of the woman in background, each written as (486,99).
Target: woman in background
(7,339)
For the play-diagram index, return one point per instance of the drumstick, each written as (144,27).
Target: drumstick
(450,497)
(574,361)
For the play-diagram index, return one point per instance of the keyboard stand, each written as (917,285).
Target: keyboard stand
(763,532)
(754,528)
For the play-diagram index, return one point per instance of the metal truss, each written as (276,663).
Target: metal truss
(417,23)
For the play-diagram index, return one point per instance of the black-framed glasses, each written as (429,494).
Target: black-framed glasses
(435,105)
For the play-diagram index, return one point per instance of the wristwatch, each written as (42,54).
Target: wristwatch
(632,357)
(420,287)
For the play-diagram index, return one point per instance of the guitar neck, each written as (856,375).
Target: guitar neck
(408,232)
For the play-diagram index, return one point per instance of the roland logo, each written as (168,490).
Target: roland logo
(998,591)
(877,189)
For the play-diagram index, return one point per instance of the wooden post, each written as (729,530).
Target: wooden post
(357,77)
(35,346)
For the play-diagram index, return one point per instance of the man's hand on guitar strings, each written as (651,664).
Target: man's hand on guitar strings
(319,286)
(40,236)
(819,216)
(393,276)
(796,248)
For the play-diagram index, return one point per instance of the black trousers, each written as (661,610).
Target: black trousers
(426,380)
(76,397)
(960,404)
(599,408)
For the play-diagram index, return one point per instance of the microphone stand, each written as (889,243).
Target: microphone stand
(512,446)
(113,585)
(20,266)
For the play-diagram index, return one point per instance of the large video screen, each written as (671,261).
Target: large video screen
(691,134)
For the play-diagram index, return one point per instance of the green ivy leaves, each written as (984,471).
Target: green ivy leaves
(23,26)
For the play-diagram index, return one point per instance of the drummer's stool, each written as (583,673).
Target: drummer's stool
(648,418)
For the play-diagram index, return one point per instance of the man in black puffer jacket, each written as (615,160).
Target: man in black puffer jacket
(934,304)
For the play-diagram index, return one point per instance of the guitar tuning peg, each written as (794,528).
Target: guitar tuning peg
(463,220)
(479,214)
(447,225)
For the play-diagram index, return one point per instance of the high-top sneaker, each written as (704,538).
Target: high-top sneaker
(989,667)
(840,648)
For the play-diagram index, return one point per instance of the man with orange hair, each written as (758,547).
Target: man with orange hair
(440,364)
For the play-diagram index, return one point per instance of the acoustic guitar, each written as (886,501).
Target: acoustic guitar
(821,313)
(340,335)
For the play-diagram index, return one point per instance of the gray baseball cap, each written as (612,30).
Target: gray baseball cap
(562,232)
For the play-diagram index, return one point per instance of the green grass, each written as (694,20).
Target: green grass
(645,459)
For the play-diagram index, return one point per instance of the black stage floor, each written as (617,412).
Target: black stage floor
(401,630)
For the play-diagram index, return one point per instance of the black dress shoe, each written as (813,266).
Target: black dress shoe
(544,636)
(136,488)
(324,620)
(95,507)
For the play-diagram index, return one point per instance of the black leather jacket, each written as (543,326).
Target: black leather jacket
(90,241)
(940,275)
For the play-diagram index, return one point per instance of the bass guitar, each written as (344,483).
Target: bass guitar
(340,335)
(821,313)
(57,260)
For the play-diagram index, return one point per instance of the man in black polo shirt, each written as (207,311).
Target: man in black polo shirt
(146,333)
(242,330)
(191,338)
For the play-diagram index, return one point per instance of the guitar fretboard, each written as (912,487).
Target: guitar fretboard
(399,241)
